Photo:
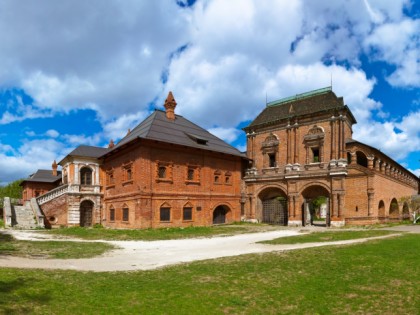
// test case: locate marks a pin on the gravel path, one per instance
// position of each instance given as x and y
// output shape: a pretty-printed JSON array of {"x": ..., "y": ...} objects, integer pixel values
[{"x": 145, "y": 255}]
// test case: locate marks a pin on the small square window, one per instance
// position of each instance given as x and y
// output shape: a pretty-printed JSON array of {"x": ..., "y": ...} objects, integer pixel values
[
  {"x": 187, "y": 214},
  {"x": 227, "y": 180},
  {"x": 162, "y": 172},
  {"x": 125, "y": 214},
  {"x": 112, "y": 214},
  {"x": 165, "y": 214},
  {"x": 216, "y": 178},
  {"x": 129, "y": 174}
]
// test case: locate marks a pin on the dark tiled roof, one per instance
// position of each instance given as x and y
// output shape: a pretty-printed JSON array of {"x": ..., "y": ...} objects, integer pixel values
[
  {"x": 44, "y": 176},
  {"x": 88, "y": 151},
  {"x": 301, "y": 104},
  {"x": 179, "y": 131}
]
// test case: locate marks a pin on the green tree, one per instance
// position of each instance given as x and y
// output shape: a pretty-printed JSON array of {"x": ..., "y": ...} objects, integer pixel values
[{"x": 12, "y": 190}]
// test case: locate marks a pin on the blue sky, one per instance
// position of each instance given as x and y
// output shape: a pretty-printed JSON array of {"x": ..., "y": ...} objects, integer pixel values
[{"x": 82, "y": 72}]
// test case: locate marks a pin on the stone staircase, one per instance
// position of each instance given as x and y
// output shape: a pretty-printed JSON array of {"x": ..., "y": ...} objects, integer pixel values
[
  {"x": 28, "y": 216},
  {"x": 24, "y": 217}
]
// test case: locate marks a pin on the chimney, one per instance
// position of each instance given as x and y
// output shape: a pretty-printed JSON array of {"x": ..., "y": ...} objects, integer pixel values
[
  {"x": 170, "y": 105},
  {"x": 54, "y": 168},
  {"x": 111, "y": 144}
]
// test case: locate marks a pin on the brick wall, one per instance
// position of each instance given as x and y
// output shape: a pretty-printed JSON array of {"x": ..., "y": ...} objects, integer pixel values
[{"x": 145, "y": 193}]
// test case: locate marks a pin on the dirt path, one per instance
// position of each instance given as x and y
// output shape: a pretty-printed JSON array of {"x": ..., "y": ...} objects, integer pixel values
[{"x": 142, "y": 255}]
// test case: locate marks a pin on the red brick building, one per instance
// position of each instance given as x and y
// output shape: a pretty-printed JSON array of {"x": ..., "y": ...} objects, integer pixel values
[
  {"x": 302, "y": 149},
  {"x": 165, "y": 172},
  {"x": 304, "y": 167}
]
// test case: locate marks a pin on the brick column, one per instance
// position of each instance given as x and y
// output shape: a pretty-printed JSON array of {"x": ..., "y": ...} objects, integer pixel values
[
  {"x": 370, "y": 162},
  {"x": 377, "y": 165},
  {"x": 296, "y": 144},
  {"x": 332, "y": 138},
  {"x": 340, "y": 201},
  {"x": 370, "y": 203},
  {"x": 288, "y": 145},
  {"x": 343, "y": 145},
  {"x": 334, "y": 205},
  {"x": 353, "y": 158}
]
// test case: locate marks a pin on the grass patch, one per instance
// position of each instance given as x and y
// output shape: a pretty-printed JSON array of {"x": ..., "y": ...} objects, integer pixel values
[
  {"x": 51, "y": 249},
  {"x": 98, "y": 233},
  {"x": 329, "y": 236},
  {"x": 377, "y": 277}
]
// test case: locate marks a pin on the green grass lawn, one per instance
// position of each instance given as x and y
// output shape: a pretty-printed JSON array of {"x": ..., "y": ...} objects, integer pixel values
[
  {"x": 98, "y": 233},
  {"x": 377, "y": 277},
  {"x": 50, "y": 249},
  {"x": 329, "y": 236}
]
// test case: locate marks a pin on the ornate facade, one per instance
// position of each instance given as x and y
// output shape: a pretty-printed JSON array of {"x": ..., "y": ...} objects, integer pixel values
[{"x": 302, "y": 149}]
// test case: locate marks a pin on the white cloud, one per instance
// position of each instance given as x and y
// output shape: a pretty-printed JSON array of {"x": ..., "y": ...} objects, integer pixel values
[
  {"x": 112, "y": 58},
  {"x": 398, "y": 44},
  {"x": 395, "y": 138},
  {"x": 30, "y": 156},
  {"x": 52, "y": 133},
  {"x": 78, "y": 54},
  {"x": 226, "y": 134},
  {"x": 118, "y": 128}
]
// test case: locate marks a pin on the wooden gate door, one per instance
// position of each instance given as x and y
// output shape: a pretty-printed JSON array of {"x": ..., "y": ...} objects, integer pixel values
[
  {"x": 219, "y": 215},
  {"x": 275, "y": 211},
  {"x": 86, "y": 213}
]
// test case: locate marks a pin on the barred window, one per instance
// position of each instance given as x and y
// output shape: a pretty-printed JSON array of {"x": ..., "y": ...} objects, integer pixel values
[
  {"x": 165, "y": 214},
  {"x": 112, "y": 214},
  {"x": 190, "y": 175},
  {"x": 162, "y": 172},
  {"x": 187, "y": 214},
  {"x": 125, "y": 214}
]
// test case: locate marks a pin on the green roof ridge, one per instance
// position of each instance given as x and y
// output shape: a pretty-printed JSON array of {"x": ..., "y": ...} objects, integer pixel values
[{"x": 299, "y": 96}]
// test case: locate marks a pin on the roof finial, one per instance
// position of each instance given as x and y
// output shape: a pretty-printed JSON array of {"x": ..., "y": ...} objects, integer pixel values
[
  {"x": 170, "y": 105},
  {"x": 128, "y": 131},
  {"x": 54, "y": 168},
  {"x": 111, "y": 144}
]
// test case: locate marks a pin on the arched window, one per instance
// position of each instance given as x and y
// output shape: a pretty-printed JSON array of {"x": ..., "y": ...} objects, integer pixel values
[{"x": 86, "y": 176}]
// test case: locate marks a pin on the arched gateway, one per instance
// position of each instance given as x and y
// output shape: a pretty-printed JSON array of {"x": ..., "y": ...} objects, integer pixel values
[
  {"x": 316, "y": 206},
  {"x": 273, "y": 206}
]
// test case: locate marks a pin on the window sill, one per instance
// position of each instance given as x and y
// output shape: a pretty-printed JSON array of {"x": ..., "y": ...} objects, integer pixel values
[
  {"x": 110, "y": 186},
  {"x": 127, "y": 182},
  {"x": 192, "y": 182},
  {"x": 165, "y": 221},
  {"x": 217, "y": 183},
  {"x": 163, "y": 180},
  {"x": 186, "y": 221}
]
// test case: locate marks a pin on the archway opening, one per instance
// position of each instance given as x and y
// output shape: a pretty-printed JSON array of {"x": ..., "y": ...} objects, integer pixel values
[
  {"x": 86, "y": 211},
  {"x": 381, "y": 210},
  {"x": 393, "y": 209},
  {"x": 273, "y": 206},
  {"x": 219, "y": 214},
  {"x": 316, "y": 206},
  {"x": 405, "y": 212},
  {"x": 361, "y": 159}
]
